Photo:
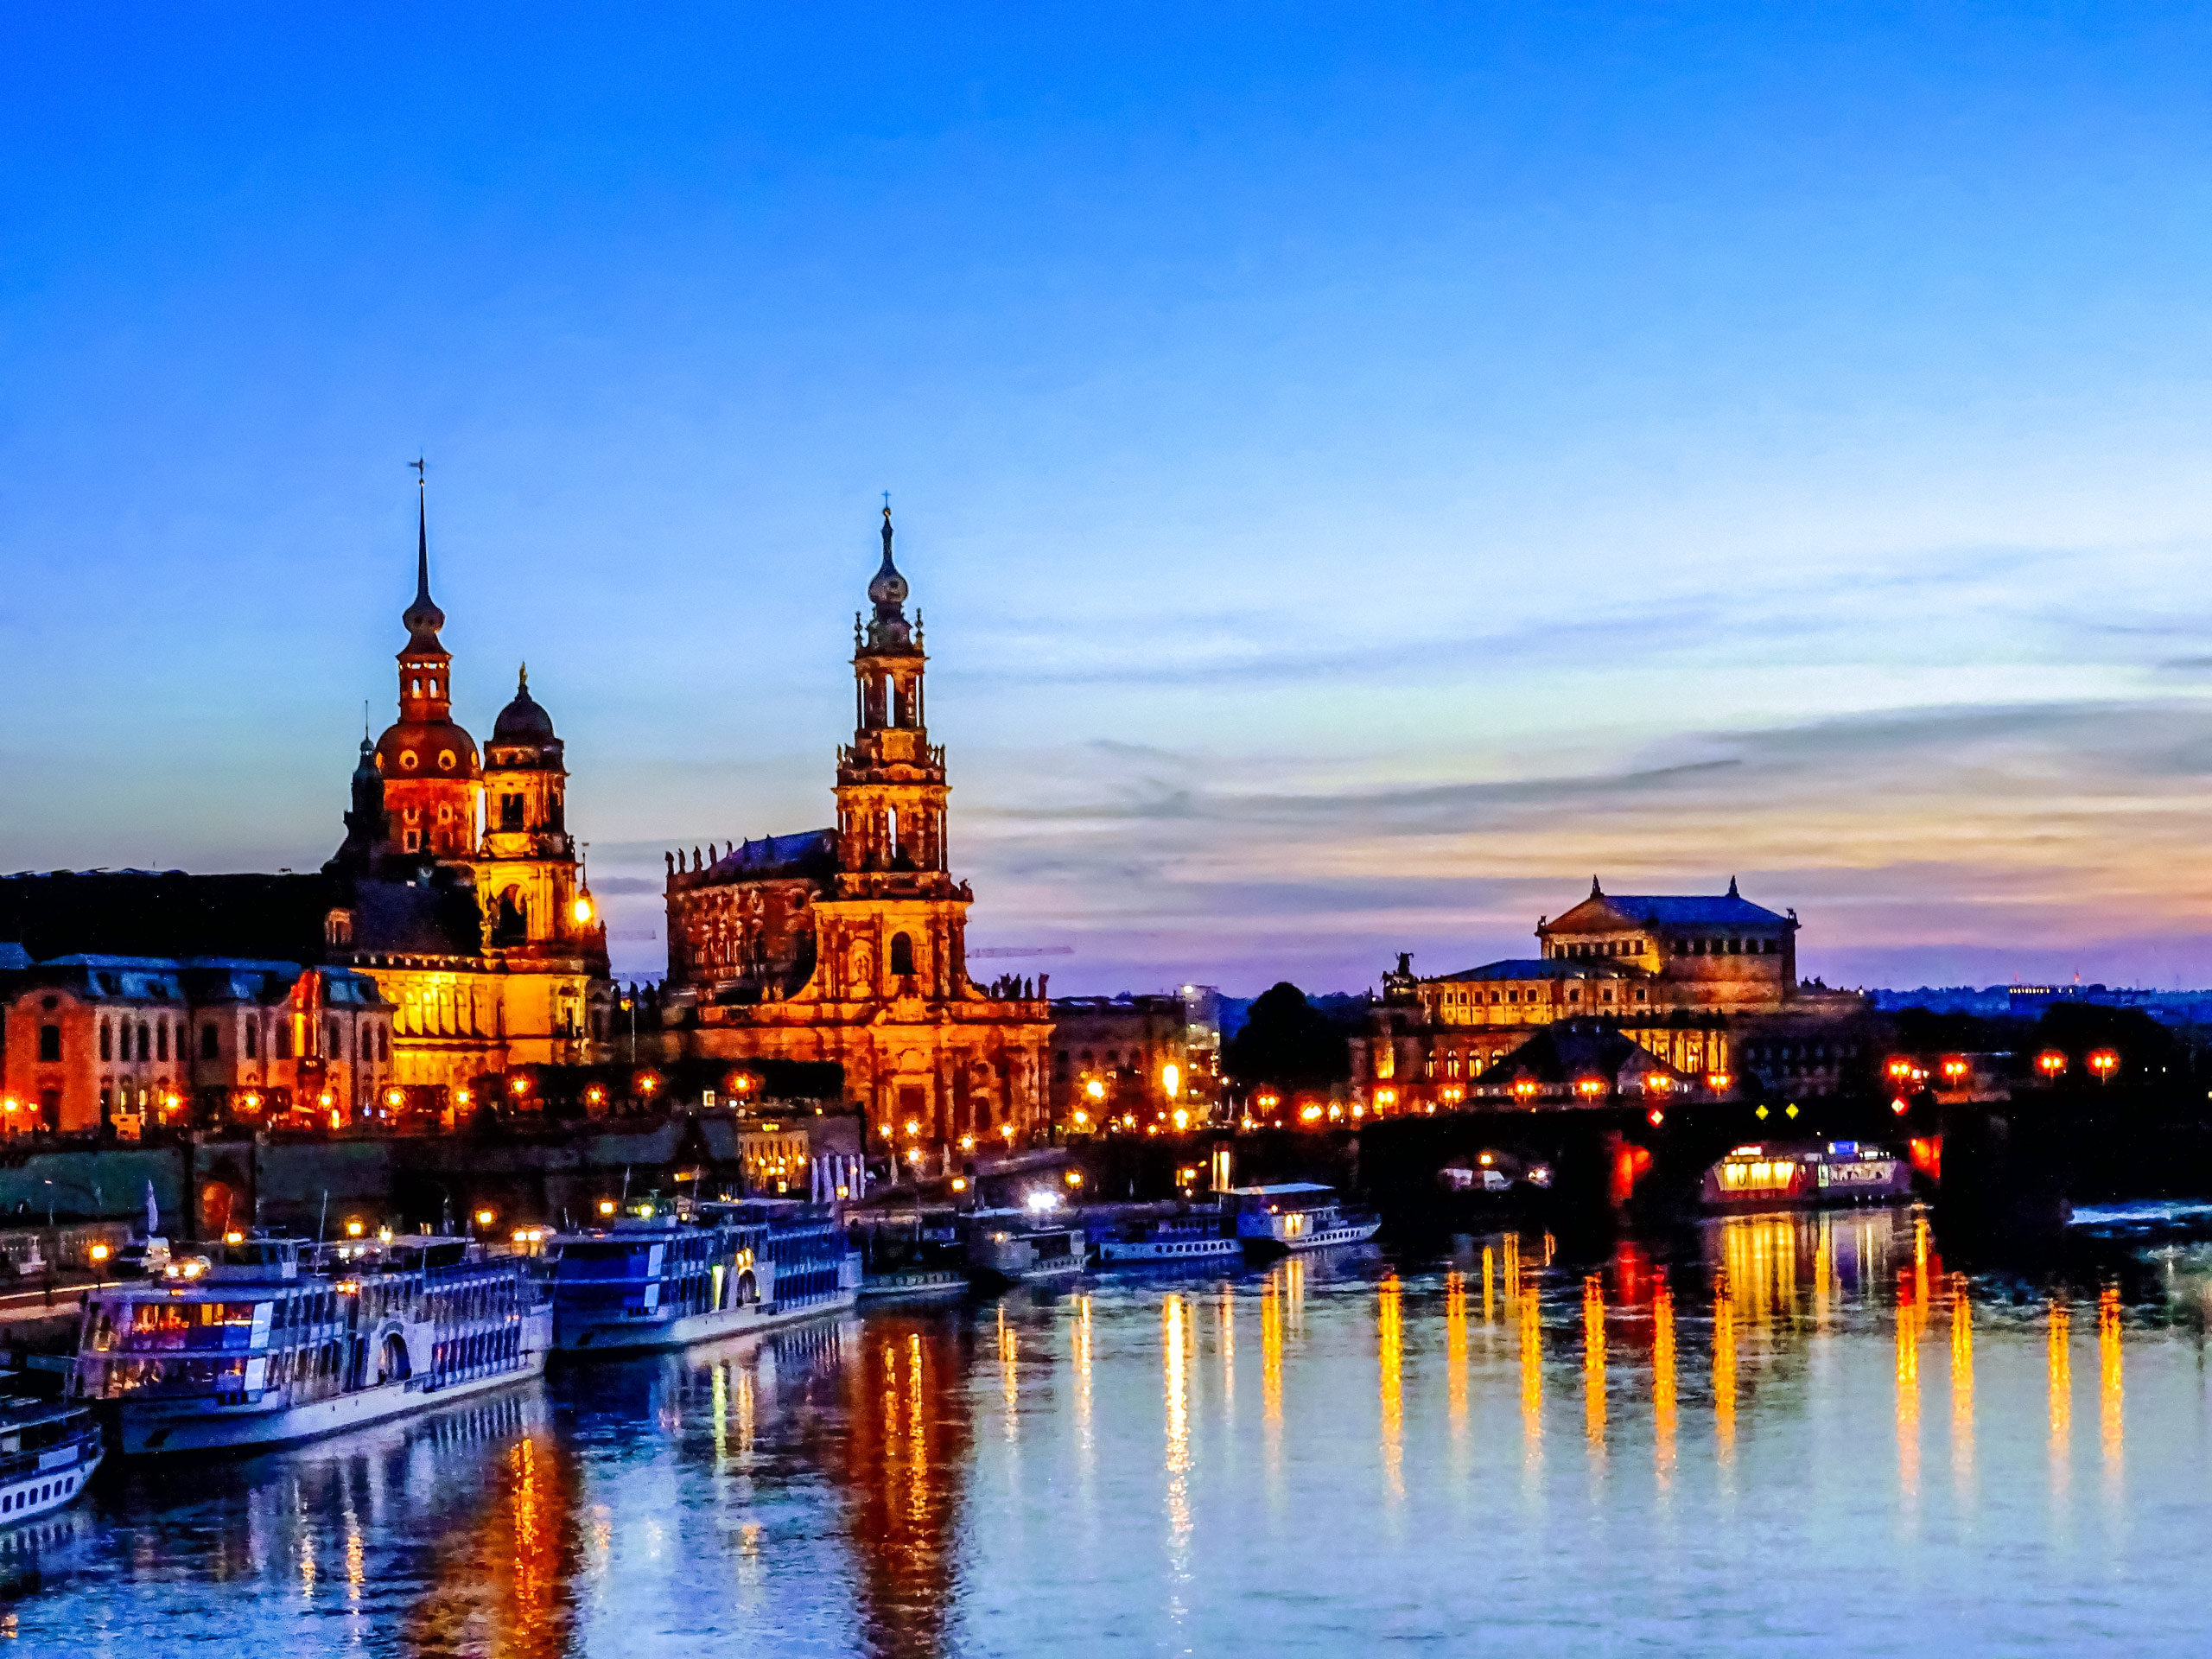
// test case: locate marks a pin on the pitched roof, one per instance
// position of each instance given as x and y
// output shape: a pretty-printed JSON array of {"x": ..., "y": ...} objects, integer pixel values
[
  {"x": 808, "y": 852},
  {"x": 1560, "y": 1054},
  {"x": 1608, "y": 911}
]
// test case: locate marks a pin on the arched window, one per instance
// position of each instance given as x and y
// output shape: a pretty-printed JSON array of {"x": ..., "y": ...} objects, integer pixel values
[
  {"x": 107, "y": 1045},
  {"x": 252, "y": 1040},
  {"x": 902, "y": 954}
]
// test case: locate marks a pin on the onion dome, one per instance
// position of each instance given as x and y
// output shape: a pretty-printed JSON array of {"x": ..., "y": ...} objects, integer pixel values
[
  {"x": 523, "y": 721},
  {"x": 888, "y": 591}
]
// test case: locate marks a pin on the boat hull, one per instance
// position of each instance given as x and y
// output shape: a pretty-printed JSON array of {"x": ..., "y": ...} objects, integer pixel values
[
  {"x": 32, "y": 1495},
  {"x": 937, "y": 1281},
  {"x": 1167, "y": 1252},
  {"x": 1002, "y": 1279},
  {"x": 579, "y": 1336},
  {"x": 150, "y": 1430},
  {"x": 1327, "y": 1238}
]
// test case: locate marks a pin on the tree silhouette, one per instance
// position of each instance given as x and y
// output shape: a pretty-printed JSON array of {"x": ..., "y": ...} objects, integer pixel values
[{"x": 1287, "y": 1042}]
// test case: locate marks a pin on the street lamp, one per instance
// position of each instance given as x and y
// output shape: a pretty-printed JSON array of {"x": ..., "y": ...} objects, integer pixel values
[{"x": 2104, "y": 1062}]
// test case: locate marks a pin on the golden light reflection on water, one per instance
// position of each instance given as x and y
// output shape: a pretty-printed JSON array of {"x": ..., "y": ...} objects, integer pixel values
[
  {"x": 503, "y": 1582},
  {"x": 1489, "y": 1300},
  {"x": 1528, "y": 1336},
  {"x": 2111, "y": 1403},
  {"x": 1962, "y": 1382},
  {"x": 1175, "y": 1379},
  {"x": 1085, "y": 1443},
  {"x": 1663, "y": 1380},
  {"x": 2058, "y": 1360},
  {"x": 1009, "y": 1376},
  {"x": 1594, "y": 1364},
  {"x": 1271, "y": 1363},
  {"x": 1824, "y": 1274},
  {"x": 904, "y": 1452},
  {"x": 1225, "y": 1340},
  {"x": 1724, "y": 1373},
  {"x": 1455, "y": 1348},
  {"x": 1908, "y": 1392},
  {"x": 1390, "y": 1338}
]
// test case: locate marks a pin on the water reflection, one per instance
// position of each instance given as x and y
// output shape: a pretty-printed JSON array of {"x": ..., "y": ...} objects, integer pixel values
[{"x": 1074, "y": 1471}]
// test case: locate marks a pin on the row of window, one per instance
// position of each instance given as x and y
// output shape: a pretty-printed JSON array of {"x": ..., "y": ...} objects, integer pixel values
[
  {"x": 1717, "y": 945},
  {"x": 1533, "y": 994}
]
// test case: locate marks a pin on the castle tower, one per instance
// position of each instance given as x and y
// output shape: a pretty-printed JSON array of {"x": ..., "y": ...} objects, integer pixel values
[
  {"x": 527, "y": 871},
  {"x": 429, "y": 763},
  {"x": 540, "y": 924}
]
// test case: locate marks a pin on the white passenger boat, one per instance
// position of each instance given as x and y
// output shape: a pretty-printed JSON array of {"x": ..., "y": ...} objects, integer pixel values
[
  {"x": 1294, "y": 1215},
  {"x": 697, "y": 1273},
  {"x": 49, "y": 1450},
  {"x": 1172, "y": 1241},
  {"x": 1006, "y": 1247},
  {"x": 262, "y": 1342}
]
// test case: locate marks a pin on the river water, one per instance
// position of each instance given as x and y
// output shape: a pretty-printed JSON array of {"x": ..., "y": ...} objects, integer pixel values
[{"x": 1793, "y": 1433}]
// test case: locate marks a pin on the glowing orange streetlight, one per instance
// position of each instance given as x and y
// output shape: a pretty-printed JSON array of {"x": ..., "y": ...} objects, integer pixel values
[
  {"x": 1589, "y": 1088},
  {"x": 1954, "y": 1070},
  {"x": 2052, "y": 1064},
  {"x": 2104, "y": 1062}
]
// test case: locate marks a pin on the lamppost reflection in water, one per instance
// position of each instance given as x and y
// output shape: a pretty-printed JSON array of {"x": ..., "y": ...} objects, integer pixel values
[
  {"x": 2059, "y": 1362},
  {"x": 1390, "y": 1342}
]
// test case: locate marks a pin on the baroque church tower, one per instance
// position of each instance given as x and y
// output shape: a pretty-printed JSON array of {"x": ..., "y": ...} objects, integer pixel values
[{"x": 849, "y": 944}]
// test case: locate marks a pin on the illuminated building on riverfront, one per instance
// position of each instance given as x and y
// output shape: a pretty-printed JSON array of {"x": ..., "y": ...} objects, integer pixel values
[
  {"x": 1704, "y": 990},
  {"x": 849, "y": 943}
]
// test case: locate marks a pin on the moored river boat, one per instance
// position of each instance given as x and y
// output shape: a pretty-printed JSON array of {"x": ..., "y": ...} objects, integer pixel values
[
  {"x": 696, "y": 1273},
  {"x": 1295, "y": 1216},
  {"x": 263, "y": 1341},
  {"x": 1813, "y": 1172}
]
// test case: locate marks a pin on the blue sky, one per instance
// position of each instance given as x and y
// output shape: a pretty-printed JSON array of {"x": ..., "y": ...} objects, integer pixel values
[{"x": 1365, "y": 469}]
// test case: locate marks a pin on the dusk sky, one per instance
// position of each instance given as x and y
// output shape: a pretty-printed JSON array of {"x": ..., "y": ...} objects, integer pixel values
[{"x": 1364, "y": 469}]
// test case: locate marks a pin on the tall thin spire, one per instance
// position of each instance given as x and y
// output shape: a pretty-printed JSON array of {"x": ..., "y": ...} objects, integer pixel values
[
  {"x": 422, "y": 532},
  {"x": 423, "y": 617}
]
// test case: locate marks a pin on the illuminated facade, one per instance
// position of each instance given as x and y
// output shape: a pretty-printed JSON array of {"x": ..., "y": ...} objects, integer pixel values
[
  {"x": 1690, "y": 979},
  {"x": 118, "y": 1043},
  {"x": 477, "y": 926},
  {"x": 848, "y": 944}
]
